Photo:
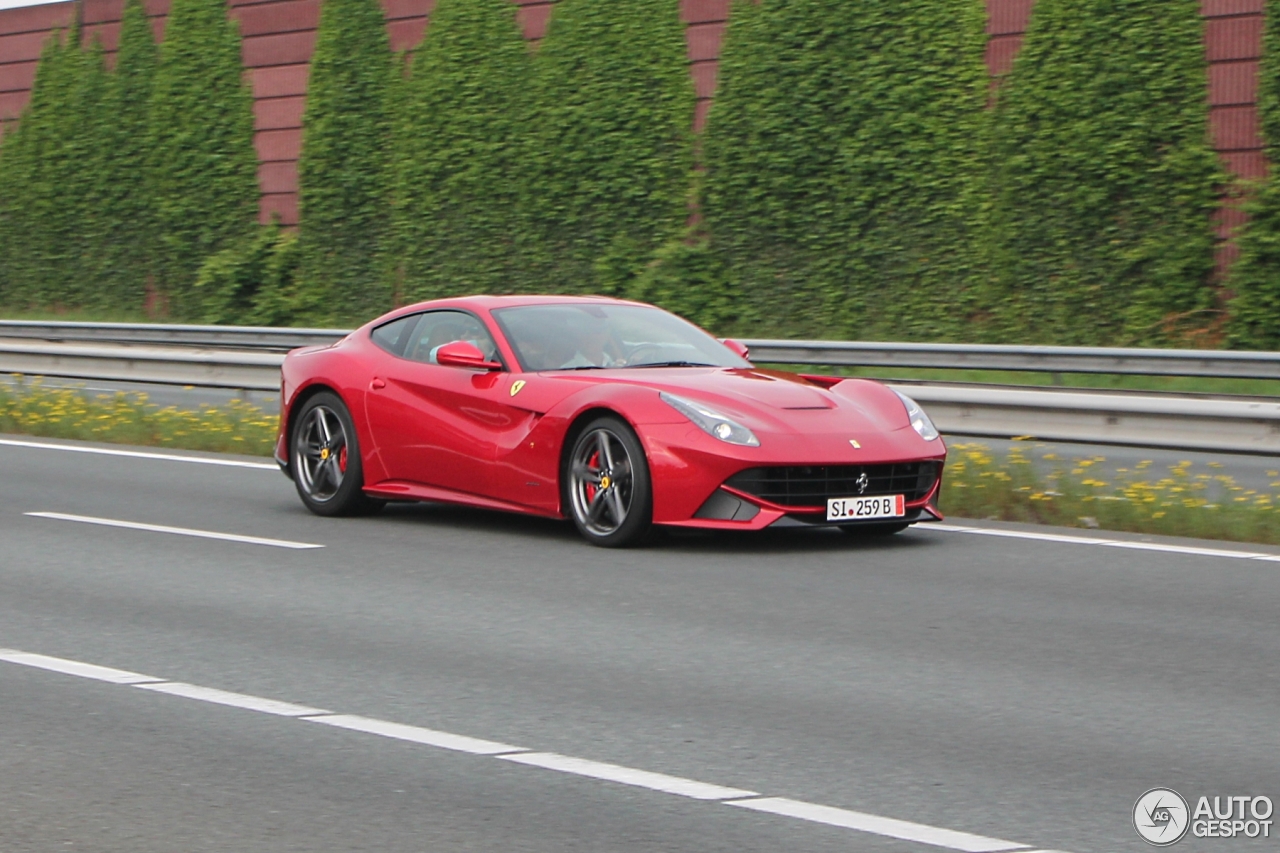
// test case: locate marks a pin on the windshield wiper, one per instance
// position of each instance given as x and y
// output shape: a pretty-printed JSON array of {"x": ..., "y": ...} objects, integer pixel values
[{"x": 672, "y": 364}]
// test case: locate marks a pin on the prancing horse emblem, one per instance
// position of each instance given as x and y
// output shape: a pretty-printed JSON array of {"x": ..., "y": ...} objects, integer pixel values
[
  {"x": 516, "y": 386},
  {"x": 855, "y": 444},
  {"x": 862, "y": 483}
]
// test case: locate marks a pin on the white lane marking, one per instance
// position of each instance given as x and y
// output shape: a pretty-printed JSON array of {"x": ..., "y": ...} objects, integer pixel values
[
  {"x": 1107, "y": 543},
  {"x": 628, "y": 776},
  {"x": 72, "y": 667},
  {"x": 235, "y": 700},
  {"x": 179, "y": 531},
  {"x": 876, "y": 825},
  {"x": 415, "y": 734},
  {"x": 857, "y": 821},
  {"x": 137, "y": 454}
]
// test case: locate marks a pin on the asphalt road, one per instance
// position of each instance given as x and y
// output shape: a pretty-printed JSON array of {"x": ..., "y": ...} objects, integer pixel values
[{"x": 1017, "y": 689}]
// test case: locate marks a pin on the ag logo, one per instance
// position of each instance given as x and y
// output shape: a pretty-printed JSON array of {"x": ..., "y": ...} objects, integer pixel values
[{"x": 1161, "y": 817}]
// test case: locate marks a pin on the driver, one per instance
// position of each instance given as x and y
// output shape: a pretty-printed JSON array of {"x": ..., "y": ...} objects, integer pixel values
[{"x": 559, "y": 346}]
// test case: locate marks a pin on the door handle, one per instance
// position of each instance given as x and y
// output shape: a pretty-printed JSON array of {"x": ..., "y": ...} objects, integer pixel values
[{"x": 377, "y": 384}]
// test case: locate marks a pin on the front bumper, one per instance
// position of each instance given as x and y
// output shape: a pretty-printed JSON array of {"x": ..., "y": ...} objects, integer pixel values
[{"x": 691, "y": 471}]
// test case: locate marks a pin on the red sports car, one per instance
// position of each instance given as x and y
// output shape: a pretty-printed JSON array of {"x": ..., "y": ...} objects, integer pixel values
[{"x": 615, "y": 414}]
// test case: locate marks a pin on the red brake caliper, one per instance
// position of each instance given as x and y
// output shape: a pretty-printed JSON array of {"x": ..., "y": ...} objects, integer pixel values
[
  {"x": 342, "y": 459},
  {"x": 593, "y": 462}
]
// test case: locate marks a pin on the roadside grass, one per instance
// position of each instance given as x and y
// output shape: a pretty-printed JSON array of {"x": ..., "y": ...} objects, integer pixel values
[
  {"x": 31, "y": 408},
  {"x": 1181, "y": 501},
  {"x": 1048, "y": 489}
]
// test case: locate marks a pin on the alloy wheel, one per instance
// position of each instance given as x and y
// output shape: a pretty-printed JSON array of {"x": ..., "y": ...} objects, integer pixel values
[
  {"x": 601, "y": 482},
  {"x": 320, "y": 454}
]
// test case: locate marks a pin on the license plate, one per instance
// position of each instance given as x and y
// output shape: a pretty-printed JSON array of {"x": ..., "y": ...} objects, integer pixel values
[{"x": 856, "y": 509}]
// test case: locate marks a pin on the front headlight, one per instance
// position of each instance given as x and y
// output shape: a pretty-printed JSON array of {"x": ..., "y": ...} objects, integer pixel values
[
  {"x": 919, "y": 420},
  {"x": 712, "y": 422}
]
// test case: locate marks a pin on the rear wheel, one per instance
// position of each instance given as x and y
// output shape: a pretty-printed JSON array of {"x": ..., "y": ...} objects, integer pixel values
[
  {"x": 607, "y": 489},
  {"x": 326, "y": 459}
]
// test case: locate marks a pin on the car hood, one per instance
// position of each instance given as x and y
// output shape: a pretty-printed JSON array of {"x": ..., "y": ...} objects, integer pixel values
[{"x": 763, "y": 399}]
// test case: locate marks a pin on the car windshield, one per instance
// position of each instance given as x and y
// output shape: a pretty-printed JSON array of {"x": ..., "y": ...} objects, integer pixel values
[{"x": 588, "y": 336}]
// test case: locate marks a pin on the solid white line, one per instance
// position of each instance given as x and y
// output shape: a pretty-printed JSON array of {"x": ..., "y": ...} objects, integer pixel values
[
  {"x": 628, "y": 776},
  {"x": 72, "y": 667},
  {"x": 876, "y": 825},
  {"x": 235, "y": 700},
  {"x": 843, "y": 818},
  {"x": 414, "y": 734},
  {"x": 1188, "y": 550},
  {"x": 179, "y": 531},
  {"x": 137, "y": 454}
]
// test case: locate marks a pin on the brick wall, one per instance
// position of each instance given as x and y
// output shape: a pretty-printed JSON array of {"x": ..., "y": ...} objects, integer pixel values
[{"x": 279, "y": 36}]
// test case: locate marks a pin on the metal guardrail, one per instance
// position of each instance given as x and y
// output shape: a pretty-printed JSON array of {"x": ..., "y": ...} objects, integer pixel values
[
  {"x": 1131, "y": 361},
  {"x": 249, "y": 359},
  {"x": 1140, "y": 362},
  {"x": 260, "y": 338}
]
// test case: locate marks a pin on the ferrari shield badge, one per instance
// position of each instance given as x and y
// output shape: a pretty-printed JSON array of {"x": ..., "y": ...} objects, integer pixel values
[
  {"x": 516, "y": 386},
  {"x": 855, "y": 444}
]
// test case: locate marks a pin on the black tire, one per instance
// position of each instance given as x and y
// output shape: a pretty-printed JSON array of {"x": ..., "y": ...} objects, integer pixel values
[
  {"x": 605, "y": 485},
  {"x": 325, "y": 459},
  {"x": 874, "y": 530}
]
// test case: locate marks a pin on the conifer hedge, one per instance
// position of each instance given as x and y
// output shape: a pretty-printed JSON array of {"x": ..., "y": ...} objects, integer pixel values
[
  {"x": 461, "y": 143},
  {"x": 1255, "y": 276},
  {"x": 23, "y": 177},
  {"x": 202, "y": 164},
  {"x": 844, "y": 166},
  {"x": 612, "y": 148},
  {"x": 343, "y": 168},
  {"x": 127, "y": 239},
  {"x": 50, "y": 185},
  {"x": 1105, "y": 178}
]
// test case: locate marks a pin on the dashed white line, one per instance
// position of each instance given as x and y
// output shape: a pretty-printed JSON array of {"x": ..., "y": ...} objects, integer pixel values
[
  {"x": 76, "y": 668},
  {"x": 138, "y": 454},
  {"x": 178, "y": 531},
  {"x": 739, "y": 798},
  {"x": 234, "y": 700},
  {"x": 877, "y": 825},
  {"x": 415, "y": 734},
  {"x": 1189, "y": 550},
  {"x": 628, "y": 776}
]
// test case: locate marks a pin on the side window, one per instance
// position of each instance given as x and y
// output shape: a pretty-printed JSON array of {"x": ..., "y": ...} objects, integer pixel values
[
  {"x": 438, "y": 328},
  {"x": 394, "y": 336}
]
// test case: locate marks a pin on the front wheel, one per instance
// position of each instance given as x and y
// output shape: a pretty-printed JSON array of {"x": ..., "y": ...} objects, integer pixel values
[
  {"x": 326, "y": 459},
  {"x": 607, "y": 489}
]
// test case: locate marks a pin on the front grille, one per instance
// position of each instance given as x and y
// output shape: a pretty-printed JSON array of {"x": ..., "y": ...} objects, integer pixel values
[{"x": 812, "y": 485}]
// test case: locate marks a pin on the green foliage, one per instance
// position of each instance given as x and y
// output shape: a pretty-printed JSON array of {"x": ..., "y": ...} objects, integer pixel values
[
  {"x": 686, "y": 276},
  {"x": 202, "y": 164},
  {"x": 256, "y": 283},
  {"x": 50, "y": 184},
  {"x": 1105, "y": 179},
  {"x": 343, "y": 168},
  {"x": 844, "y": 170},
  {"x": 612, "y": 150},
  {"x": 125, "y": 238},
  {"x": 1255, "y": 276},
  {"x": 459, "y": 139}
]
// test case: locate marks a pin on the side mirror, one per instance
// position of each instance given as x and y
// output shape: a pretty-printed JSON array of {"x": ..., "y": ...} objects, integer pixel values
[
  {"x": 464, "y": 354},
  {"x": 739, "y": 348}
]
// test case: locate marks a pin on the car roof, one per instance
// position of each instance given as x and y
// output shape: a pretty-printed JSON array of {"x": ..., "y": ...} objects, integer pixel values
[{"x": 490, "y": 303}]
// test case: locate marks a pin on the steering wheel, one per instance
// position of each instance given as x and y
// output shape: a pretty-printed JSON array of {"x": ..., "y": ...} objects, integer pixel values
[{"x": 634, "y": 358}]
